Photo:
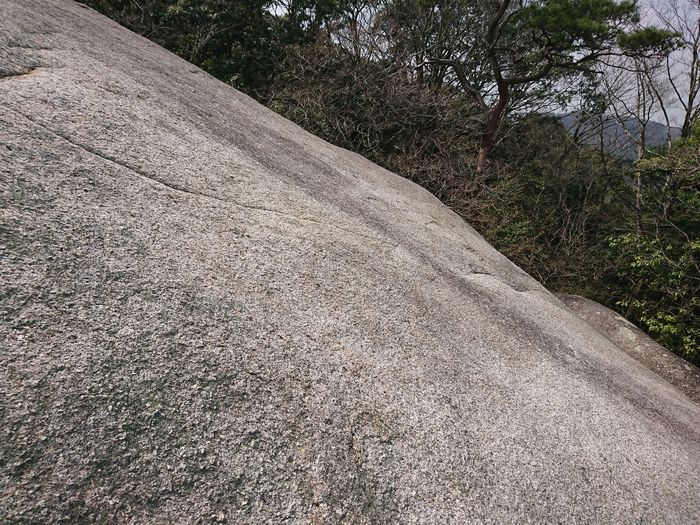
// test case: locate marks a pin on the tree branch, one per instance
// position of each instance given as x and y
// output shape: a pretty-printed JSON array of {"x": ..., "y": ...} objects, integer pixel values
[{"x": 461, "y": 77}]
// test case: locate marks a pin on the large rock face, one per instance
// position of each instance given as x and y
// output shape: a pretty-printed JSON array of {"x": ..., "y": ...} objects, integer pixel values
[
  {"x": 209, "y": 315},
  {"x": 630, "y": 339}
]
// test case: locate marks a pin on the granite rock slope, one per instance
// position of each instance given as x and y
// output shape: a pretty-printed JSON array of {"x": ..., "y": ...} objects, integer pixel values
[
  {"x": 677, "y": 371},
  {"x": 209, "y": 315}
]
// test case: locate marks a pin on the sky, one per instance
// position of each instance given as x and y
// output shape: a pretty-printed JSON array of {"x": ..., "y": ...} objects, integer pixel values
[{"x": 683, "y": 15}]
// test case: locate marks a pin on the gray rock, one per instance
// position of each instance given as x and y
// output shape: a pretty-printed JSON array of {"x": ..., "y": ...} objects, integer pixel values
[
  {"x": 679, "y": 372},
  {"x": 210, "y": 315}
]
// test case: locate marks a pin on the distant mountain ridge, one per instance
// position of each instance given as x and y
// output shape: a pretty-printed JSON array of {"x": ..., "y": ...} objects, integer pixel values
[{"x": 620, "y": 139}]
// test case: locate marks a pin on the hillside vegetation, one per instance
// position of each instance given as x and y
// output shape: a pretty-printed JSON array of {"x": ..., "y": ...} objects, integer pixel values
[{"x": 454, "y": 95}]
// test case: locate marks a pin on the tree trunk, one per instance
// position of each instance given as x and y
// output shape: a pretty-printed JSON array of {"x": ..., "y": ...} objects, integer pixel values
[{"x": 488, "y": 137}]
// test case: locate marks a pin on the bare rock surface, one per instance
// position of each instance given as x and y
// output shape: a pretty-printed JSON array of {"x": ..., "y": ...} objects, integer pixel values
[
  {"x": 209, "y": 315},
  {"x": 677, "y": 371}
]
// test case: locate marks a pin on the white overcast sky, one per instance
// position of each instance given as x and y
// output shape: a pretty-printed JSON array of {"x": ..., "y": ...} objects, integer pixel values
[{"x": 690, "y": 10}]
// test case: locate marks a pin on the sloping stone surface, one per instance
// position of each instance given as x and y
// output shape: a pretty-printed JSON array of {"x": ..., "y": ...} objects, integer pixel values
[
  {"x": 209, "y": 315},
  {"x": 680, "y": 373}
]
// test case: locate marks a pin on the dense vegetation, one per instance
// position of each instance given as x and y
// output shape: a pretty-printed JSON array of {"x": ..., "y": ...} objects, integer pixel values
[{"x": 459, "y": 96}]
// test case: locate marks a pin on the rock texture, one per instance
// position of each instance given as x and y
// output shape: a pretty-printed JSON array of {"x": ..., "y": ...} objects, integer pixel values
[
  {"x": 629, "y": 338},
  {"x": 211, "y": 316}
]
